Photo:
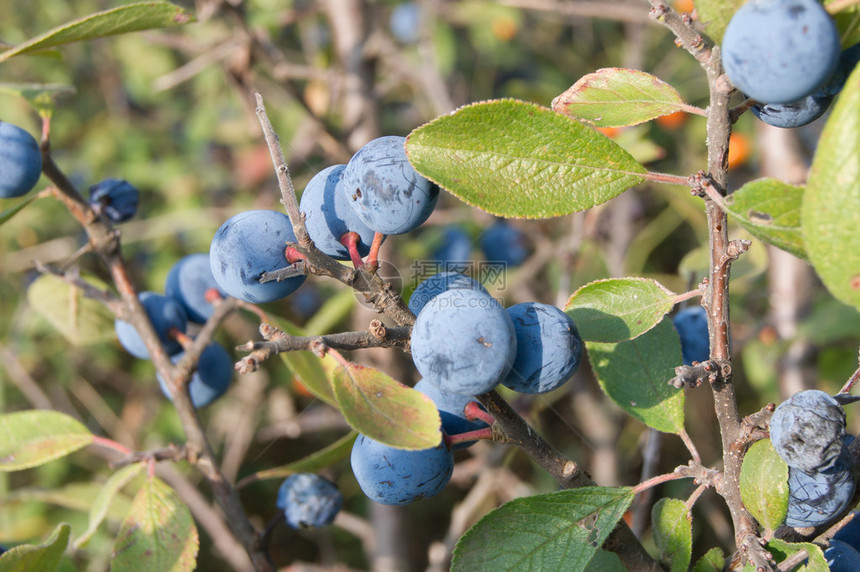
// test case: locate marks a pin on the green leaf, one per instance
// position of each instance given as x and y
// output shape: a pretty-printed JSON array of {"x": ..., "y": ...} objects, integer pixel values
[
  {"x": 9, "y": 213},
  {"x": 107, "y": 494},
  {"x": 121, "y": 20},
  {"x": 314, "y": 462},
  {"x": 74, "y": 496},
  {"x": 541, "y": 531},
  {"x": 81, "y": 320},
  {"x": 32, "y": 438},
  {"x": 764, "y": 484},
  {"x": 383, "y": 409},
  {"x": 673, "y": 533},
  {"x": 635, "y": 375},
  {"x": 617, "y": 97},
  {"x": 847, "y": 23},
  {"x": 520, "y": 160},
  {"x": 618, "y": 309},
  {"x": 43, "y": 557},
  {"x": 831, "y": 204},
  {"x": 770, "y": 211},
  {"x": 604, "y": 561},
  {"x": 712, "y": 561},
  {"x": 40, "y": 95},
  {"x": 310, "y": 369},
  {"x": 782, "y": 550},
  {"x": 157, "y": 534},
  {"x": 334, "y": 311},
  {"x": 716, "y": 14}
]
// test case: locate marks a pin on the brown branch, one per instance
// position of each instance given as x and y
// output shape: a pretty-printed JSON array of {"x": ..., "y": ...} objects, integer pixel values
[
  {"x": 277, "y": 341},
  {"x": 105, "y": 242}
]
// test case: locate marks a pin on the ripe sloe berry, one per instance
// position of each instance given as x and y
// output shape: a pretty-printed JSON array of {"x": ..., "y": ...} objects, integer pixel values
[
  {"x": 817, "y": 497},
  {"x": 842, "y": 557},
  {"x": 807, "y": 430},
  {"x": 188, "y": 282},
  {"x": 385, "y": 190},
  {"x": 464, "y": 341},
  {"x": 210, "y": 381},
  {"x": 692, "y": 326},
  {"x": 504, "y": 243},
  {"x": 116, "y": 199},
  {"x": 248, "y": 245},
  {"x": 548, "y": 348},
  {"x": 779, "y": 51},
  {"x": 309, "y": 501},
  {"x": 396, "y": 476},
  {"x": 165, "y": 314},
  {"x": 438, "y": 283},
  {"x": 20, "y": 161},
  {"x": 328, "y": 215}
]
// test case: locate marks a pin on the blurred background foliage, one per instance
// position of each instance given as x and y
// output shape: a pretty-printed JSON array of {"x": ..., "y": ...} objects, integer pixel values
[{"x": 172, "y": 113}]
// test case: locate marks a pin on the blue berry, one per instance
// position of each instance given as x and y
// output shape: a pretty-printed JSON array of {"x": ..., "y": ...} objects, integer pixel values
[
  {"x": 808, "y": 109},
  {"x": 385, "y": 190},
  {"x": 455, "y": 249},
  {"x": 438, "y": 283},
  {"x": 818, "y": 497},
  {"x": 808, "y": 429},
  {"x": 779, "y": 51},
  {"x": 405, "y": 21},
  {"x": 116, "y": 199},
  {"x": 396, "y": 476},
  {"x": 309, "y": 501},
  {"x": 212, "y": 378},
  {"x": 165, "y": 314},
  {"x": 505, "y": 243},
  {"x": 464, "y": 341},
  {"x": 328, "y": 215},
  {"x": 549, "y": 348},
  {"x": 842, "y": 557},
  {"x": 20, "y": 161},
  {"x": 248, "y": 245},
  {"x": 692, "y": 326},
  {"x": 188, "y": 281},
  {"x": 451, "y": 408}
]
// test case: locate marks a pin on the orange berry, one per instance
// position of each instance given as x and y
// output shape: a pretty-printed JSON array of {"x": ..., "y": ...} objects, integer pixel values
[
  {"x": 672, "y": 121},
  {"x": 739, "y": 149},
  {"x": 684, "y": 6}
]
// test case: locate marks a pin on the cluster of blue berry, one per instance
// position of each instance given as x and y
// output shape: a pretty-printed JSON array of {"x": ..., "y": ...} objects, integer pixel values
[
  {"x": 189, "y": 293},
  {"x": 785, "y": 54},
  {"x": 808, "y": 432}
]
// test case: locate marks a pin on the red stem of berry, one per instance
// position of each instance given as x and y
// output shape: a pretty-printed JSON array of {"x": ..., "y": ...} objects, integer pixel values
[
  {"x": 184, "y": 339},
  {"x": 485, "y": 433},
  {"x": 372, "y": 260},
  {"x": 292, "y": 255},
  {"x": 474, "y": 412},
  {"x": 212, "y": 295},
  {"x": 350, "y": 241}
]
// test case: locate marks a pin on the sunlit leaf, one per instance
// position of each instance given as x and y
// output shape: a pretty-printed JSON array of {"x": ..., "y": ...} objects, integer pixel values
[
  {"x": 618, "y": 309},
  {"x": 770, "y": 210},
  {"x": 121, "y": 20},
  {"x": 520, "y": 160},
  {"x": 385, "y": 410},
  {"x": 43, "y": 557},
  {"x": 831, "y": 204},
  {"x": 314, "y": 462},
  {"x": 764, "y": 484},
  {"x": 107, "y": 494},
  {"x": 32, "y": 438},
  {"x": 157, "y": 534},
  {"x": 81, "y": 320},
  {"x": 617, "y": 97}
]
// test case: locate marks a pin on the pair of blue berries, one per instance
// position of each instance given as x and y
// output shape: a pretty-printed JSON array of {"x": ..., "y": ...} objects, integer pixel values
[
  {"x": 377, "y": 191},
  {"x": 785, "y": 54},
  {"x": 187, "y": 298}
]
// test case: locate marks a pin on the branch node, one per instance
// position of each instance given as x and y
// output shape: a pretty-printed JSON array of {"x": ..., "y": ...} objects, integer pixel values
[{"x": 377, "y": 329}]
